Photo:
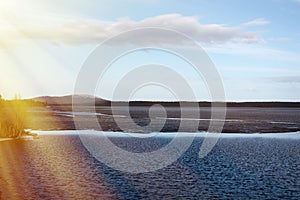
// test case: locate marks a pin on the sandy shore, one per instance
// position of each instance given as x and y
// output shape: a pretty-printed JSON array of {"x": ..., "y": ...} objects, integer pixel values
[
  {"x": 30, "y": 136},
  {"x": 5, "y": 139}
]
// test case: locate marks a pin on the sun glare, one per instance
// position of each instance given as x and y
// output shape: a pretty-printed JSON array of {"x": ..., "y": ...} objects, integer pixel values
[{"x": 26, "y": 67}]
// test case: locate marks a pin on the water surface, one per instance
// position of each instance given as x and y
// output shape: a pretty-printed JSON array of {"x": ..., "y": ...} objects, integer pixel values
[{"x": 57, "y": 166}]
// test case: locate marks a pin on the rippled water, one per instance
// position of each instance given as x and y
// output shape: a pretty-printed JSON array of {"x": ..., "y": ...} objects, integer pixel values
[{"x": 239, "y": 167}]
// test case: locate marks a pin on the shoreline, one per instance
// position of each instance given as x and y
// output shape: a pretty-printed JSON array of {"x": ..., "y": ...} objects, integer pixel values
[
  {"x": 295, "y": 135},
  {"x": 7, "y": 139},
  {"x": 27, "y": 136},
  {"x": 34, "y": 134}
]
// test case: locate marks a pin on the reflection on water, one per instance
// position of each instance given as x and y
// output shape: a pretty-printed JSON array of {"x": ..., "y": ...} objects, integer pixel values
[{"x": 59, "y": 167}]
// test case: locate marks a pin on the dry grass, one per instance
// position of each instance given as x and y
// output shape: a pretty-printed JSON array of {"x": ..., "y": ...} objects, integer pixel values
[{"x": 13, "y": 118}]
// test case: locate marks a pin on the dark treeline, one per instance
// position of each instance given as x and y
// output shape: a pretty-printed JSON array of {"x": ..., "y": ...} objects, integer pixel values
[
  {"x": 204, "y": 104},
  {"x": 82, "y": 100}
]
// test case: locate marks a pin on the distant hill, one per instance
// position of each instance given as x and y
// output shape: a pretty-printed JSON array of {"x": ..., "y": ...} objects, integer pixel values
[
  {"x": 67, "y": 100},
  {"x": 88, "y": 99}
]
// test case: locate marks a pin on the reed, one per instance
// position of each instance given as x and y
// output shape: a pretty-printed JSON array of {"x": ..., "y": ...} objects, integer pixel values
[{"x": 13, "y": 118}]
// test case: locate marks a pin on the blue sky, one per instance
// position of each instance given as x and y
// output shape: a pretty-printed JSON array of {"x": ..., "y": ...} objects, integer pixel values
[{"x": 255, "y": 45}]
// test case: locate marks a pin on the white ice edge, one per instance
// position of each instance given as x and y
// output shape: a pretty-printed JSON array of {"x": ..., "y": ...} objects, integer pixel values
[
  {"x": 288, "y": 135},
  {"x": 72, "y": 114}
]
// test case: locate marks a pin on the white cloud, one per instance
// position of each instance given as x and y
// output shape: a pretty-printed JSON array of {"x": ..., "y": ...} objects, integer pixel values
[
  {"x": 280, "y": 39},
  {"x": 95, "y": 31},
  {"x": 258, "y": 51},
  {"x": 257, "y": 22},
  {"x": 286, "y": 79},
  {"x": 259, "y": 69}
]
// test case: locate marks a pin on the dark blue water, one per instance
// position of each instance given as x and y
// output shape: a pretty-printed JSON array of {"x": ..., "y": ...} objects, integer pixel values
[{"x": 59, "y": 167}]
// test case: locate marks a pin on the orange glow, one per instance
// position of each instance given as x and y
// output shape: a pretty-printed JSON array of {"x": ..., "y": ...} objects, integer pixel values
[{"x": 13, "y": 118}]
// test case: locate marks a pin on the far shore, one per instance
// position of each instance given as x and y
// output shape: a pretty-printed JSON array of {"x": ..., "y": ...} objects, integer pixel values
[
  {"x": 238, "y": 119},
  {"x": 246, "y": 117}
]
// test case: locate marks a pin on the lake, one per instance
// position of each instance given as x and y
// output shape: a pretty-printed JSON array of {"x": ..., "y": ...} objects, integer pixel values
[{"x": 240, "y": 166}]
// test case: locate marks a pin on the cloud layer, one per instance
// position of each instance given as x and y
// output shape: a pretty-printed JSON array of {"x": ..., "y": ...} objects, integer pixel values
[
  {"x": 287, "y": 79},
  {"x": 95, "y": 31},
  {"x": 257, "y": 22}
]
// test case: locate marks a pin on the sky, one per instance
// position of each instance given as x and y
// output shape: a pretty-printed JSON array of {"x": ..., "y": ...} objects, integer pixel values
[{"x": 254, "y": 45}]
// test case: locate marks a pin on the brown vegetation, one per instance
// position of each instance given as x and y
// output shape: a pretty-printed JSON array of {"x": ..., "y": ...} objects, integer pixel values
[{"x": 14, "y": 117}]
